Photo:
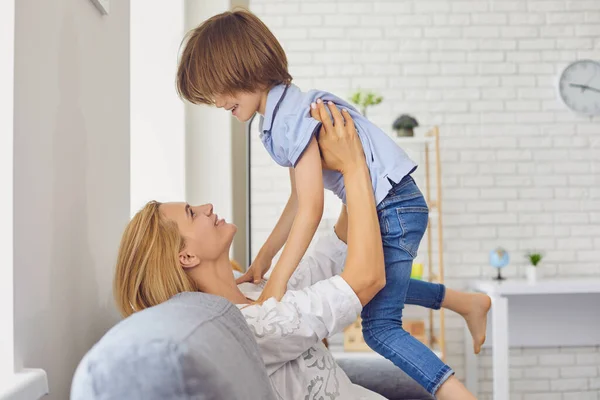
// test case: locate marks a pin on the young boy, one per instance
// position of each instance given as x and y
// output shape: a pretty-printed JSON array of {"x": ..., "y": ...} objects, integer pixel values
[{"x": 233, "y": 61}]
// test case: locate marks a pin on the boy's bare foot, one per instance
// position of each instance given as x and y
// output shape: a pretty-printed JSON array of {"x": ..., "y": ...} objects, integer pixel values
[{"x": 476, "y": 318}]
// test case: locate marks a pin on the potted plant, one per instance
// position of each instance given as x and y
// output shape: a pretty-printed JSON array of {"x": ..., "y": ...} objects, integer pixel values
[
  {"x": 531, "y": 272},
  {"x": 404, "y": 125},
  {"x": 364, "y": 100}
]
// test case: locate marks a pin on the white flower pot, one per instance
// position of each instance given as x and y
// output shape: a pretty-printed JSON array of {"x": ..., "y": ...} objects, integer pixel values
[{"x": 531, "y": 273}]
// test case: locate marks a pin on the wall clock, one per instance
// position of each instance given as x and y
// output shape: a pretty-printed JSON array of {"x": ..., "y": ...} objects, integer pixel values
[{"x": 579, "y": 87}]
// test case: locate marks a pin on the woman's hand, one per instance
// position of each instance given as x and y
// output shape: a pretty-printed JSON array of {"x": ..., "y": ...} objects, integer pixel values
[{"x": 339, "y": 143}]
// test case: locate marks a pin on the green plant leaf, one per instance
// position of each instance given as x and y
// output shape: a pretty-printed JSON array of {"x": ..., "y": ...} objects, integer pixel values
[
  {"x": 535, "y": 258},
  {"x": 356, "y": 97},
  {"x": 365, "y": 99}
]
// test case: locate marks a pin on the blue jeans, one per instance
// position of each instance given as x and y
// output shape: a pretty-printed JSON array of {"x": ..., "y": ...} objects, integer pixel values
[{"x": 403, "y": 218}]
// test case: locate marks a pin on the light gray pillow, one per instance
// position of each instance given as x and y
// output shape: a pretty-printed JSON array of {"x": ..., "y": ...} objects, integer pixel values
[{"x": 194, "y": 346}]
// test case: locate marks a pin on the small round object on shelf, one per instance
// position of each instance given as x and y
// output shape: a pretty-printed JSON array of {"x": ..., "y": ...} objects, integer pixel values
[{"x": 499, "y": 259}]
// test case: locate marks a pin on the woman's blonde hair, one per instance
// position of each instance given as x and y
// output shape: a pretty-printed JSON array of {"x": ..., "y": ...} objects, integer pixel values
[{"x": 148, "y": 271}]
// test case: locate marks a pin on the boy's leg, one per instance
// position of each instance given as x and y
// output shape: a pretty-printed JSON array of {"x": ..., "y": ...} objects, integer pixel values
[
  {"x": 383, "y": 332},
  {"x": 425, "y": 294},
  {"x": 473, "y": 307},
  {"x": 403, "y": 220}
]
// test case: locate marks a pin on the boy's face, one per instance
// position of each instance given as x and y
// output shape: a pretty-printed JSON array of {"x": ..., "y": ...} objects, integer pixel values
[{"x": 242, "y": 105}]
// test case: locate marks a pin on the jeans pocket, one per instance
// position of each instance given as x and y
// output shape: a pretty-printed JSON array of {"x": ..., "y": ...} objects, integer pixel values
[{"x": 413, "y": 221}]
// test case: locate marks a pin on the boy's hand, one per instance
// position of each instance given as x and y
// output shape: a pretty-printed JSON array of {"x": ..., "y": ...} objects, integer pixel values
[
  {"x": 256, "y": 271},
  {"x": 274, "y": 288}
]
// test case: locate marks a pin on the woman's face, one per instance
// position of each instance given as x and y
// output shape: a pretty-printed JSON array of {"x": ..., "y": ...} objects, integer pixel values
[{"x": 206, "y": 236}]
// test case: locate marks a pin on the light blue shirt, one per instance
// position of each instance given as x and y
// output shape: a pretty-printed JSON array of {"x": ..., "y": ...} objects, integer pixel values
[{"x": 287, "y": 128}]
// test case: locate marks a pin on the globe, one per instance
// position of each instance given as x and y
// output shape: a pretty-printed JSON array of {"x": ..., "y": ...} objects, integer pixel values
[{"x": 499, "y": 259}]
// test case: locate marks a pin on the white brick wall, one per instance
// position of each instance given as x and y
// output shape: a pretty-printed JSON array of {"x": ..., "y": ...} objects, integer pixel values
[{"x": 519, "y": 169}]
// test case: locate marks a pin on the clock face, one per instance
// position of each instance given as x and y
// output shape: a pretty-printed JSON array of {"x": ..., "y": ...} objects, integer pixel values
[{"x": 579, "y": 87}]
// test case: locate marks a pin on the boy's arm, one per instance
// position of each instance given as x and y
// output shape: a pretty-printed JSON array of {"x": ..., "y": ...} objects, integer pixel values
[
  {"x": 276, "y": 239},
  {"x": 280, "y": 233},
  {"x": 326, "y": 259},
  {"x": 309, "y": 192}
]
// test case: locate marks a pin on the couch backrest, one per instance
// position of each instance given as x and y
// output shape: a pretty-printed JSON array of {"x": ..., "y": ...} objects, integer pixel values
[{"x": 194, "y": 346}]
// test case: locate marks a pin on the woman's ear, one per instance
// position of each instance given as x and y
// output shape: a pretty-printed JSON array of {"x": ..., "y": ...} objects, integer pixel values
[{"x": 188, "y": 260}]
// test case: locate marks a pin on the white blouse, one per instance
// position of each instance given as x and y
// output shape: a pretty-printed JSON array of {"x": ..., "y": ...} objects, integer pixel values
[{"x": 318, "y": 304}]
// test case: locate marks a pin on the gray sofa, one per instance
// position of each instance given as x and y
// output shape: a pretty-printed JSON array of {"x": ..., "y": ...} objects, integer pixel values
[{"x": 196, "y": 346}]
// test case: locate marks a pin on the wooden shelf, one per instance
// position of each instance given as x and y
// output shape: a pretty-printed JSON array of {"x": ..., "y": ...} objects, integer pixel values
[{"x": 435, "y": 265}]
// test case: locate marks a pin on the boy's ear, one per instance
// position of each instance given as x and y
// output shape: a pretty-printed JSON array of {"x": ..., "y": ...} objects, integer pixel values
[{"x": 188, "y": 260}]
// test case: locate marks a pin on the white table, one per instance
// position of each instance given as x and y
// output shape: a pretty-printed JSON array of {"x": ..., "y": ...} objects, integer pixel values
[{"x": 546, "y": 314}]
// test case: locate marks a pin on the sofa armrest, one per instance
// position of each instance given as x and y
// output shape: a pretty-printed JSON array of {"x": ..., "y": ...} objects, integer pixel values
[{"x": 383, "y": 377}]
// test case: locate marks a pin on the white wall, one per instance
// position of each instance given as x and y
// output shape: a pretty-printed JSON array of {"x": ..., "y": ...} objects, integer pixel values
[
  {"x": 208, "y": 134},
  {"x": 215, "y": 160},
  {"x": 71, "y": 178},
  {"x": 167, "y": 134},
  {"x": 7, "y": 41},
  {"x": 157, "y": 112},
  {"x": 519, "y": 169}
]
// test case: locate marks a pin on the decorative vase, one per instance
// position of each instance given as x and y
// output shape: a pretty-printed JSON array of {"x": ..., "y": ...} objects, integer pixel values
[
  {"x": 531, "y": 273},
  {"x": 405, "y": 132}
]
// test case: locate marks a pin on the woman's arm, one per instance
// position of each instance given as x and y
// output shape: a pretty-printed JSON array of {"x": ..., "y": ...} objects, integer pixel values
[
  {"x": 285, "y": 329},
  {"x": 341, "y": 149}
]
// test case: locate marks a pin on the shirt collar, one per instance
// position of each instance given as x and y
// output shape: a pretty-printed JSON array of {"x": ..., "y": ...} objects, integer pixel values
[{"x": 274, "y": 98}]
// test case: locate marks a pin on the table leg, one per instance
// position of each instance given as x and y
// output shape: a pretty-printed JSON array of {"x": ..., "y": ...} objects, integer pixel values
[
  {"x": 500, "y": 347},
  {"x": 471, "y": 365}
]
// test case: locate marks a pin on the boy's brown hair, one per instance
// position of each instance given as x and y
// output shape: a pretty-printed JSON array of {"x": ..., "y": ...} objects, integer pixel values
[{"x": 228, "y": 53}]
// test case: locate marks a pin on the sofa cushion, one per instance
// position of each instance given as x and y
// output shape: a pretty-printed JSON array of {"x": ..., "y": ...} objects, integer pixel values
[{"x": 194, "y": 346}]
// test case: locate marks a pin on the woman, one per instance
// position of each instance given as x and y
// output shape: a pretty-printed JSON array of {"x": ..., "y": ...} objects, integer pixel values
[{"x": 171, "y": 248}]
